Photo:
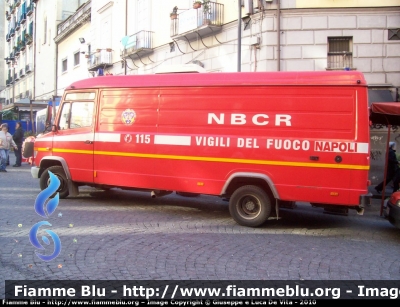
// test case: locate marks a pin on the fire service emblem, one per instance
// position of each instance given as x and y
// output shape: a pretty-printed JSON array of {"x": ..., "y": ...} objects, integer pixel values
[{"x": 128, "y": 117}]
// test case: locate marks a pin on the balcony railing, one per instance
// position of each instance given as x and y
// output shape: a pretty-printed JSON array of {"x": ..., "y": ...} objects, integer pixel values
[
  {"x": 139, "y": 42},
  {"x": 28, "y": 68},
  {"x": 8, "y": 37},
  {"x": 23, "y": 18},
  {"x": 18, "y": 25},
  {"x": 17, "y": 3},
  {"x": 81, "y": 15},
  {"x": 23, "y": 45},
  {"x": 22, "y": 72},
  {"x": 195, "y": 19},
  {"x": 12, "y": 32},
  {"x": 28, "y": 39},
  {"x": 101, "y": 59},
  {"x": 29, "y": 9},
  {"x": 8, "y": 15}
]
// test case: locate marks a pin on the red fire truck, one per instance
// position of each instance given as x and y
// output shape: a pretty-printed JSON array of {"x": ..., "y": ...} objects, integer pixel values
[{"x": 257, "y": 139}]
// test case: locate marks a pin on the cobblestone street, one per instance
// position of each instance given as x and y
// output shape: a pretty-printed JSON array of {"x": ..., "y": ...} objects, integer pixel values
[{"x": 125, "y": 235}]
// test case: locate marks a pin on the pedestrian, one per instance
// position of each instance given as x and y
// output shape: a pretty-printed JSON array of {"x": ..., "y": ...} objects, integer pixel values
[
  {"x": 8, "y": 158},
  {"x": 6, "y": 142},
  {"x": 18, "y": 138},
  {"x": 392, "y": 169}
]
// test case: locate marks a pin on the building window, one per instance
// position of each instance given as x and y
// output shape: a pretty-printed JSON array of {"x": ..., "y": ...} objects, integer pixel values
[
  {"x": 394, "y": 34},
  {"x": 76, "y": 58},
  {"x": 64, "y": 65},
  {"x": 340, "y": 52},
  {"x": 44, "y": 30}
]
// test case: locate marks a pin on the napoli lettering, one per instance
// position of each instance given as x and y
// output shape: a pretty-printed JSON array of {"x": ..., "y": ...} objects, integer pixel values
[
  {"x": 335, "y": 146},
  {"x": 242, "y": 119}
]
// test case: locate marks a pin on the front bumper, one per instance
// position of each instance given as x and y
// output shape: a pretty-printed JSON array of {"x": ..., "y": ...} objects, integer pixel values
[
  {"x": 35, "y": 172},
  {"x": 394, "y": 214}
]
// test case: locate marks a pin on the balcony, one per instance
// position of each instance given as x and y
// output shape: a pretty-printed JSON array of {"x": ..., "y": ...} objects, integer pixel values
[
  {"x": 81, "y": 16},
  {"x": 101, "y": 59},
  {"x": 16, "y": 76},
  {"x": 12, "y": 9},
  {"x": 23, "y": 18},
  {"x": 28, "y": 39},
  {"x": 8, "y": 15},
  {"x": 140, "y": 43},
  {"x": 23, "y": 45},
  {"x": 29, "y": 9},
  {"x": 12, "y": 32},
  {"x": 202, "y": 22},
  {"x": 8, "y": 37},
  {"x": 17, "y": 50},
  {"x": 17, "y": 3},
  {"x": 22, "y": 72},
  {"x": 28, "y": 68},
  {"x": 18, "y": 26}
]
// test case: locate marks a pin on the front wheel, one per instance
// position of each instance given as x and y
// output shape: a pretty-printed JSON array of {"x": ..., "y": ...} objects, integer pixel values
[
  {"x": 59, "y": 172},
  {"x": 250, "y": 206}
]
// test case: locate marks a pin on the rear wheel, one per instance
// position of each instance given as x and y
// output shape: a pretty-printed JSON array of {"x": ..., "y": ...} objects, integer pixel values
[
  {"x": 250, "y": 206},
  {"x": 59, "y": 172}
]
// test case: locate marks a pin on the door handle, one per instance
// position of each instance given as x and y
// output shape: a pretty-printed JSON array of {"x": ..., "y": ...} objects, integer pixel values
[{"x": 88, "y": 142}]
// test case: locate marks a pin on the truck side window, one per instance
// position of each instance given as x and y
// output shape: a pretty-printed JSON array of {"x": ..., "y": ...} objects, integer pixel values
[
  {"x": 81, "y": 114},
  {"x": 64, "y": 118}
]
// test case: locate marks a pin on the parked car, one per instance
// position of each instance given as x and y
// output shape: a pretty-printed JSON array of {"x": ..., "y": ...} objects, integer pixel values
[{"x": 393, "y": 209}]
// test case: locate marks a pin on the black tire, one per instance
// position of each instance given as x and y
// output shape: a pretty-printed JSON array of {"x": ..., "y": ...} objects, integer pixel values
[
  {"x": 250, "y": 206},
  {"x": 59, "y": 172}
]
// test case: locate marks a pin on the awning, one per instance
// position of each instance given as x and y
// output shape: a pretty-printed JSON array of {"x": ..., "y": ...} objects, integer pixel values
[{"x": 385, "y": 113}]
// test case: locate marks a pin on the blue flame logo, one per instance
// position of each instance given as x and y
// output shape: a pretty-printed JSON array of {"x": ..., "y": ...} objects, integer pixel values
[{"x": 45, "y": 210}]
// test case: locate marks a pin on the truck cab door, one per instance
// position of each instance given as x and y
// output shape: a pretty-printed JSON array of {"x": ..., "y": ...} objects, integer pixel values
[{"x": 74, "y": 137}]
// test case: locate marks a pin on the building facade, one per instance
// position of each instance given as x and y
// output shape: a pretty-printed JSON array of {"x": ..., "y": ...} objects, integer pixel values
[
  {"x": 2, "y": 50},
  {"x": 30, "y": 54},
  {"x": 19, "y": 55}
]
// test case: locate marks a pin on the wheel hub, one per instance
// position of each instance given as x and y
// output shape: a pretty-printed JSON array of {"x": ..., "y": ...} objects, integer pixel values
[{"x": 250, "y": 206}]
